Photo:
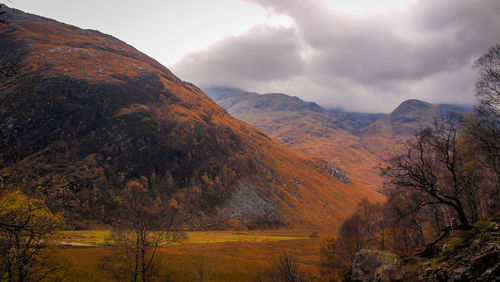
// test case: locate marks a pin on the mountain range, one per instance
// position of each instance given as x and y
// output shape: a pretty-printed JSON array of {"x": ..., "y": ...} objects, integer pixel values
[
  {"x": 358, "y": 143},
  {"x": 87, "y": 110}
]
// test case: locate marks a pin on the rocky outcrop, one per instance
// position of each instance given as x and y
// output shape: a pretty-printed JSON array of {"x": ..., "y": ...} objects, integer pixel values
[
  {"x": 246, "y": 203},
  {"x": 473, "y": 255},
  {"x": 376, "y": 266},
  {"x": 335, "y": 171}
]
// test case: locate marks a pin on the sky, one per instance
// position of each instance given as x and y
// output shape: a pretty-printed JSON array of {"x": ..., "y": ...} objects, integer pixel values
[{"x": 359, "y": 55}]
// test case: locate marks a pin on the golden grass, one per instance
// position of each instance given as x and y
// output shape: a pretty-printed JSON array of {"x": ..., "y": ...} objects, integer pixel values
[
  {"x": 99, "y": 237},
  {"x": 224, "y": 237},
  {"x": 94, "y": 237},
  {"x": 224, "y": 261},
  {"x": 227, "y": 255}
]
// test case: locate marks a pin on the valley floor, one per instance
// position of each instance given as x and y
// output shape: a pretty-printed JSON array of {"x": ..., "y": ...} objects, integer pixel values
[{"x": 225, "y": 255}]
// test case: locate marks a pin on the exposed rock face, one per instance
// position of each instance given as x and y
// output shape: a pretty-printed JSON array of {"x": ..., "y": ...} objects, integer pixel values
[
  {"x": 335, "y": 171},
  {"x": 376, "y": 266},
  {"x": 247, "y": 203}
]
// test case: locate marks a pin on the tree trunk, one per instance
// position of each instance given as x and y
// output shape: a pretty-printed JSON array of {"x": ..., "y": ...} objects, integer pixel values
[
  {"x": 20, "y": 273},
  {"x": 136, "y": 270},
  {"x": 464, "y": 222},
  {"x": 143, "y": 260},
  {"x": 11, "y": 278}
]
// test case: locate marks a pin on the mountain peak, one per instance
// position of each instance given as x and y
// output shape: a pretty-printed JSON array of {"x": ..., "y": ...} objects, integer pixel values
[
  {"x": 408, "y": 117},
  {"x": 412, "y": 105}
]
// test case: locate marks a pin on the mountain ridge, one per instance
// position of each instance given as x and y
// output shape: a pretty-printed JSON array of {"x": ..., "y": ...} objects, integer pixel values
[{"x": 359, "y": 143}]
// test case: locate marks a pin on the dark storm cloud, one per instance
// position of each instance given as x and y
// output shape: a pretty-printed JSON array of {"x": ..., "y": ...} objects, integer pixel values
[
  {"x": 262, "y": 54},
  {"x": 345, "y": 60}
]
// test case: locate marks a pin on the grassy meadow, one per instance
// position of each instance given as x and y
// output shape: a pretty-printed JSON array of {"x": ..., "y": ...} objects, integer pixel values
[
  {"x": 225, "y": 255},
  {"x": 99, "y": 237}
]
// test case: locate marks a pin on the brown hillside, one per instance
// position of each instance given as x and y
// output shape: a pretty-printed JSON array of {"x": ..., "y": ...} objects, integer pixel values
[
  {"x": 93, "y": 111},
  {"x": 305, "y": 127},
  {"x": 357, "y": 143}
]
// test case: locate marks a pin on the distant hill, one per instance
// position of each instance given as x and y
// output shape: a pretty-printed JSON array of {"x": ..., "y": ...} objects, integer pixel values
[
  {"x": 388, "y": 133},
  {"x": 409, "y": 117},
  {"x": 358, "y": 142},
  {"x": 89, "y": 111},
  {"x": 241, "y": 102}
]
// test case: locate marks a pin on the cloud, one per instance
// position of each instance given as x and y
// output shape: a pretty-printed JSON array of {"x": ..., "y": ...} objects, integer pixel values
[
  {"x": 364, "y": 63},
  {"x": 263, "y": 54}
]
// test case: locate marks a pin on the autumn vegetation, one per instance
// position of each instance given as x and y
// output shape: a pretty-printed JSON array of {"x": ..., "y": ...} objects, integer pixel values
[
  {"x": 445, "y": 180},
  {"x": 95, "y": 113},
  {"x": 147, "y": 160}
]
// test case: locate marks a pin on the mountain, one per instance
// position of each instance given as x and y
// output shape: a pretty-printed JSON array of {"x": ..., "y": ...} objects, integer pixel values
[
  {"x": 306, "y": 127},
  {"x": 389, "y": 132},
  {"x": 409, "y": 117},
  {"x": 358, "y": 143},
  {"x": 86, "y": 113}
]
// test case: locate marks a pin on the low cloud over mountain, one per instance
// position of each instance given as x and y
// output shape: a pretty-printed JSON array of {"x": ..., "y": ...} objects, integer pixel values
[{"x": 356, "y": 62}]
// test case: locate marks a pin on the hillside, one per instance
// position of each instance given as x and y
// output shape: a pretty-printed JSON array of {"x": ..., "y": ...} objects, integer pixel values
[
  {"x": 86, "y": 112},
  {"x": 358, "y": 143},
  {"x": 305, "y": 127}
]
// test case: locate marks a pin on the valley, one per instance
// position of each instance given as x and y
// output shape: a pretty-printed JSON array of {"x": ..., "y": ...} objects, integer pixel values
[
  {"x": 358, "y": 143},
  {"x": 113, "y": 168}
]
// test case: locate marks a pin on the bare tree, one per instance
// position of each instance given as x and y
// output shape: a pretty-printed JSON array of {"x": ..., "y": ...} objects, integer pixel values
[
  {"x": 484, "y": 127},
  {"x": 363, "y": 229},
  {"x": 145, "y": 225},
  {"x": 432, "y": 170},
  {"x": 488, "y": 84},
  {"x": 285, "y": 268},
  {"x": 330, "y": 260},
  {"x": 404, "y": 222},
  {"x": 200, "y": 266}
]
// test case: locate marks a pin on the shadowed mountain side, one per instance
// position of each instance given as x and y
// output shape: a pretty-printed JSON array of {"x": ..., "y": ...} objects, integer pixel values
[{"x": 93, "y": 111}]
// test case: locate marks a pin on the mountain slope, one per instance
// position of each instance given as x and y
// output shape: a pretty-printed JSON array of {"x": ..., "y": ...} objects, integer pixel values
[
  {"x": 358, "y": 143},
  {"x": 92, "y": 112},
  {"x": 308, "y": 128}
]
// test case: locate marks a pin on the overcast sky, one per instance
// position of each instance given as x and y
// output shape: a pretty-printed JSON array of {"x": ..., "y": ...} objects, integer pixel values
[{"x": 361, "y": 55}]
